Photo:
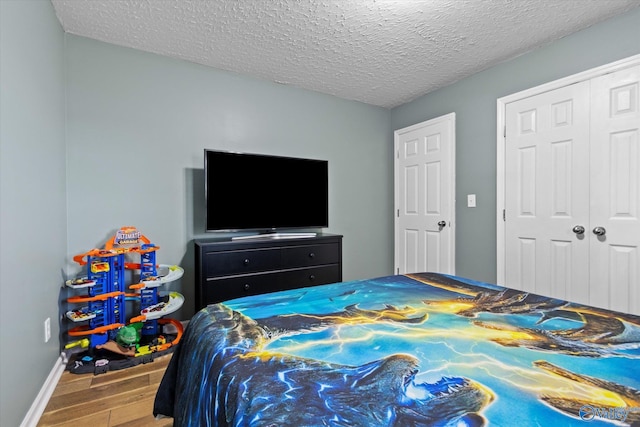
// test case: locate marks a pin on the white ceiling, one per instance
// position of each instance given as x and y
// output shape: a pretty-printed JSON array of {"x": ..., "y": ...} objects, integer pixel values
[{"x": 380, "y": 52}]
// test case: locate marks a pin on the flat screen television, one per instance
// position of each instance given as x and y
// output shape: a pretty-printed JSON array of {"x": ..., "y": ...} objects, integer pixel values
[{"x": 264, "y": 193}]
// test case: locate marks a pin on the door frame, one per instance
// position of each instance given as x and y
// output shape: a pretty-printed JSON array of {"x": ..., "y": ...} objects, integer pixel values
[
  {"x": 451, "y": 118},
  {"x": 501, "y": 143}
]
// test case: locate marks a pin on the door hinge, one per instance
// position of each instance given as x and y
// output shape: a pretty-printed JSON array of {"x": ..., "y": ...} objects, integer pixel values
[
  {"x": 398, "y": 213},
  {"x": 504, "y": 214},
  {"x": 504, "y": 133}
]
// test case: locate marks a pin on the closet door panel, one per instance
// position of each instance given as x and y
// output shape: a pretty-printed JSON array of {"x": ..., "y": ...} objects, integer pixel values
[
  {"x": 615, "y": 190},
  {"x": 547, "y": 175}
]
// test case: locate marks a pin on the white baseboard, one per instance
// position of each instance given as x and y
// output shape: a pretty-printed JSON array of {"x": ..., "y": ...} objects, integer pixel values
[{"x": 38, "y": 405}]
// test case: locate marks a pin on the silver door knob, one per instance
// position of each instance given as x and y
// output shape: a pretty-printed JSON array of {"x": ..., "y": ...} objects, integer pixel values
[
  {"x": 578, "y": 229},
  {"x": 599, "y": 231},
  {"x": 442, "y": 224}
]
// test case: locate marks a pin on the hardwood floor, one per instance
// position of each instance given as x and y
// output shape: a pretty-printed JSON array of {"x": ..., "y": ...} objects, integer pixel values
[{"x": 116, "y": 398}]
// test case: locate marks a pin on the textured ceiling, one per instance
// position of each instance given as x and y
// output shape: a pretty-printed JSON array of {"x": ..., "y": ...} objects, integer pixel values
[{"x": 380, "y": 52}]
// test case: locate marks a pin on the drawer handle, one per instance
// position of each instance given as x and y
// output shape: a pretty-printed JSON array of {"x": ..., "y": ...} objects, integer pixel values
[
  {"x": 247, "y": 286},
  {"x": 312, "y": 277},
  {"x": 312, "y": 255},
  {"x": 246, "y": 261}
]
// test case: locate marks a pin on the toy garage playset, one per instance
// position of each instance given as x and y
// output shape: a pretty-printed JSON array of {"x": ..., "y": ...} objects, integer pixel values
[{"x": 111, "y": 341}]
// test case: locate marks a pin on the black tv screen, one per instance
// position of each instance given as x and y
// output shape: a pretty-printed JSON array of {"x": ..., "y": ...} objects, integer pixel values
[{"x": 262, "y": 192}]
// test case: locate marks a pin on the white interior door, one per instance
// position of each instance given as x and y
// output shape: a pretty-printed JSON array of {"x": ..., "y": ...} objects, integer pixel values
[
  {"x": 547, "y": 187},
  {"x": 615, "y": 190},
  {"x": 424, "y": 197}
]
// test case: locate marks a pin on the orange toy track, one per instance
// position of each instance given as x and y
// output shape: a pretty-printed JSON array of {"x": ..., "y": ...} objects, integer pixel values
[
  {"x": 84, "y": 330},
  {"x": 109, "y": 251},
  {"x": 180, "y": 330},
  {"x": 140, "y": 318},
  {"x": 114, "y": 252},
  {"x": 86, "y": 298}
]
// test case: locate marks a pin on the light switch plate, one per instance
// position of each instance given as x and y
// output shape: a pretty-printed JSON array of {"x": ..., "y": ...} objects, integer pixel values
[{"x": 471, "y": 200}]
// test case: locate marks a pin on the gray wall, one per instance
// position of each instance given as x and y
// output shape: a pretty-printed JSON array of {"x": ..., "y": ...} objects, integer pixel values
[
  {"x": 474, "y": 102},
  {"x": 138, "y": 124},
  {"x": 33, "y": 212}
]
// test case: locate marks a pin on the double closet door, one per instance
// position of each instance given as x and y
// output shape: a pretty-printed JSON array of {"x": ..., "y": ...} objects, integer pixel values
[{"x": 572, "y": 192}]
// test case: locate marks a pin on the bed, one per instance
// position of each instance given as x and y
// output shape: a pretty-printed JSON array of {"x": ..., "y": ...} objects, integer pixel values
[{"x": 423, "y": 349}]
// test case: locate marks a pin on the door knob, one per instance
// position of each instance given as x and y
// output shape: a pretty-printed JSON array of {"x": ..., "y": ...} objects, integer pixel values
[
  {"x": 442, "y": 224},
  {"x": 599, "y": 231},
  {"x": 578, "y": 229}
]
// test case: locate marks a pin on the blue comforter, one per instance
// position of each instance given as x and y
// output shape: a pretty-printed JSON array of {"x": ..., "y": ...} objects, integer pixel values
[{"x": 408, "y": 350}]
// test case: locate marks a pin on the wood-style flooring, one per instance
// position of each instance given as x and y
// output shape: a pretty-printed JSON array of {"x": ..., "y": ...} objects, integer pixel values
[{"x": 116, "y": 398}]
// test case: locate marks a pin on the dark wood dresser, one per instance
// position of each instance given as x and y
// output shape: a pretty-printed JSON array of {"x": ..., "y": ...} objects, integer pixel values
[{"x": 228, "y": 269}]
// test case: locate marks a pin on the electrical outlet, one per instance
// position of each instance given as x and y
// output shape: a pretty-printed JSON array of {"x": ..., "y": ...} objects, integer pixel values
[{"x": 47, "y": 329}]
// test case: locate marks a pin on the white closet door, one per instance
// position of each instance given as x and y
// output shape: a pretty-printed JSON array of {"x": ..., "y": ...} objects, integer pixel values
[
  {"x": 547, "y": 193},
  {"x": 615, "y": 191}
]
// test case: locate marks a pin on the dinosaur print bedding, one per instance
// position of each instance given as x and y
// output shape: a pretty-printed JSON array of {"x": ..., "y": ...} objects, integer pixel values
[{"x": 408, "y": 350}]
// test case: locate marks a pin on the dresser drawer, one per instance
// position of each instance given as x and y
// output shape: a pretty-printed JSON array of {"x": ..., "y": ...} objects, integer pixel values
[
  {"x": 308, "y": 255},
  {"x": 311, "y": 276},
  {"x": 217, "y": 290},
  {"x": 223, "y": 289},
  {"x": 240, "y": 262}
]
